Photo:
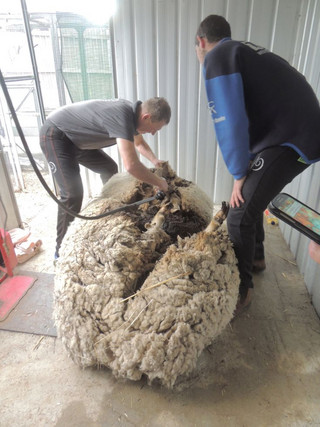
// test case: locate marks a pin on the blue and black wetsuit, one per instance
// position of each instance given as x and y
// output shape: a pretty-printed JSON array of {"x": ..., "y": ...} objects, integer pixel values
[{"x": 265, "y": 109}]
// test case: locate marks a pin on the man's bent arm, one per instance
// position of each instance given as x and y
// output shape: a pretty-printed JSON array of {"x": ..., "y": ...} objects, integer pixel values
[
  {"x": 143, "y": 147},
  {"x": 134, "y": 166}
]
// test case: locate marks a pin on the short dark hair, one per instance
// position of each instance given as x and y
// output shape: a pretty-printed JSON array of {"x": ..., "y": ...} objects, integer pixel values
[
  {"x": 159, "y": 109},
  {"x": 214, "y": 28}
]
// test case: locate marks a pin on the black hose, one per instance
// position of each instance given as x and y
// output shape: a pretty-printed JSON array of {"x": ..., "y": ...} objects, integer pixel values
[{"x": 35, "y": 167}]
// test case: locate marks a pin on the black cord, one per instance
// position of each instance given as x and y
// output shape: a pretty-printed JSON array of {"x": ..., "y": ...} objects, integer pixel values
[{"x": 34, "y": 165}]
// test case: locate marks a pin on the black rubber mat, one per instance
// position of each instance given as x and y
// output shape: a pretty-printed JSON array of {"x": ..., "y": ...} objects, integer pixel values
[{"x": 33, "y": 313}]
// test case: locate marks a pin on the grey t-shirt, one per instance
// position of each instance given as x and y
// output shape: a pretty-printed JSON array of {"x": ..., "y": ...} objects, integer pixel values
[{"x": 97, "y": 123}]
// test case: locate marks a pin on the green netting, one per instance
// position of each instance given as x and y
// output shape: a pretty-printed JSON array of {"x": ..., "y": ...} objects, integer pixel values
[{"x": 86, "y": 58}]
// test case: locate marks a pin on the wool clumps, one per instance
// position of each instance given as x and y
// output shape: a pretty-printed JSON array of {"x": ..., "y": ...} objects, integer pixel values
[{"x": 146, "y": 290}]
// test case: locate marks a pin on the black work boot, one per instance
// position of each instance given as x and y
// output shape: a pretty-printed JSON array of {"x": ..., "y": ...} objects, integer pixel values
[{"x": 258, "y": 265}]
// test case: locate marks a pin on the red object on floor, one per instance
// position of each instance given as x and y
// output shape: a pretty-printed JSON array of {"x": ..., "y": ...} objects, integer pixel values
[
  {"x": 8, "y": 255},
  {"x": 11, "y": 292},
  {"x": 12, "y": 289}
]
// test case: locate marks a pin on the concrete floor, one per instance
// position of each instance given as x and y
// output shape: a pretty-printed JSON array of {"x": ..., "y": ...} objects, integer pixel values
[{"x": 262, "y": 371}]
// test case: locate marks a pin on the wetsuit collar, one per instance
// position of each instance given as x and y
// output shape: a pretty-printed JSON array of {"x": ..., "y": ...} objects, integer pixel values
[{"x": 224, "y": 40}]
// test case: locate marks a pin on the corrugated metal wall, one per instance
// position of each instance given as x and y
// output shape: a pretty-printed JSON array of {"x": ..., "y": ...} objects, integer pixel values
[
  {"x": 307, "y": 186},
  {"x": 155, "y": 56}
]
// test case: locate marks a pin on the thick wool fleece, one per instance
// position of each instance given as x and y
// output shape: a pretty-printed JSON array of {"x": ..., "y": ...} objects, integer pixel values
[{"x": 129, "y": 296}]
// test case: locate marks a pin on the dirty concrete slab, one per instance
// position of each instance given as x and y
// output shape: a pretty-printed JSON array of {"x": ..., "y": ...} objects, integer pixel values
[{"x": 262, "y": 371}]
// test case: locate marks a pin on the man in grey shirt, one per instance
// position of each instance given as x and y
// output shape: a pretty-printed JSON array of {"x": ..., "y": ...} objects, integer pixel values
[{"x": 75, "y": 134}]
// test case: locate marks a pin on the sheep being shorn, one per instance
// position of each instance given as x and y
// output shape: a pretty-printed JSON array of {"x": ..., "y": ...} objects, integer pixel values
[{"x": 145, "y": 291}]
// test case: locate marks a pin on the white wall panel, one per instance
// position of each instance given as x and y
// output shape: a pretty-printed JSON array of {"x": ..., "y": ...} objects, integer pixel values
[
  {"x": 167, "y": 75},
  {"x": 145, "y": 41},
  {"x": 239, "y": 16},
  {"x": 287, "y": 16},
  {"x": 263, "y": 19},
  {"x": 125, "y": 50},
  {"x": 188, "y": 82}
]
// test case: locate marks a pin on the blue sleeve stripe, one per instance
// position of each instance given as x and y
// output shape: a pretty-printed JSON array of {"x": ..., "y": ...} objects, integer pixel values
[{"x": 227, "y": 107}]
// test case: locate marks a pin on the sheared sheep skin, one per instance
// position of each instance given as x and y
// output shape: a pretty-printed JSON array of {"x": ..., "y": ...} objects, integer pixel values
[{"x": 140, "y": 301}]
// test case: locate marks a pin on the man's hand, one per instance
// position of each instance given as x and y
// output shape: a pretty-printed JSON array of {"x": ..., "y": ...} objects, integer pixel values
[
  {"x": 158, "y": 164},
  {"x": 201, "y": 53},
  {"x": 143, "y": 147},
  {"x": 163, "y": 185},
  {"x": 201, "y": 50},
  {"x": 236, "y": 196},
  {"x": 133, "y": 165}
]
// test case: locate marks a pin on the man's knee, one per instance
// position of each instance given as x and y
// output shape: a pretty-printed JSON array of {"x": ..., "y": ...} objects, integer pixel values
[
  {"x": 234, "y": 219},
  {"x": 114, "y": 169},
  {"x": 106, "y": 175},
  {"x": 72, "y": 202}
]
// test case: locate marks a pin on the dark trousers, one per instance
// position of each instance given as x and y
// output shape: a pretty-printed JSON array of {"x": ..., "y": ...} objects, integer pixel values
[
  {"x": 271, "y": 170},
  {"x": 64, "y": 159}
]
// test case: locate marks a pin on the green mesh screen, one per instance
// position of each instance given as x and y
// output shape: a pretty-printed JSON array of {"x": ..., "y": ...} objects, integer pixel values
[{"x": 86, "y": 58}]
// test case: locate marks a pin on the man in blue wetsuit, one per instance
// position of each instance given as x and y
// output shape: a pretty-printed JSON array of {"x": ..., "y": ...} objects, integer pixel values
[{"x": 267, "y": 122}]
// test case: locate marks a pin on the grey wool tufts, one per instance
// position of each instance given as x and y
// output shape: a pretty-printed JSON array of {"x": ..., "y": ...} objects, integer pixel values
[{"x": 145, "y": 291}]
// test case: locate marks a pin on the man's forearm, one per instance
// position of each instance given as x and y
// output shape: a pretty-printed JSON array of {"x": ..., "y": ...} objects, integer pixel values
[
  {"x": 134, "y": 166},
  {"x": 141, "y": 172},
  {"x": 146, "y": 152}
]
